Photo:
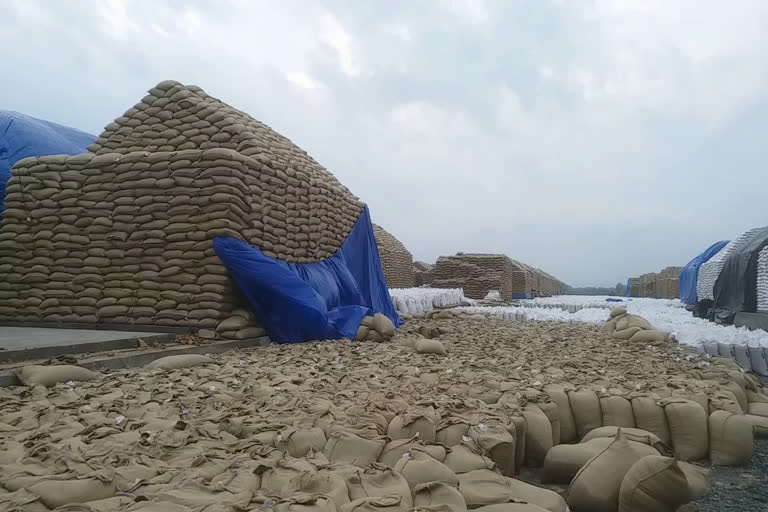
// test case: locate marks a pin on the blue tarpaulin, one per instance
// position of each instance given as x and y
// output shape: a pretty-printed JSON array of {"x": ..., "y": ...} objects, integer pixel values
[
  {"x": 297, "y": 302},
  {"x": 23, "y": 136},
  {"x": 690, "y": 273}
]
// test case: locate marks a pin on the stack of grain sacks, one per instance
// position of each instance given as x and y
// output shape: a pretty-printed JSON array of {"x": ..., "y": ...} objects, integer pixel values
[
  {"x": 523, "y": 281},
  {"x": 476, "y": 274},
  {"x": 396, "y": 261},
  {"x": 668, "y": 283},
  {"x": 709, "y": 271},
  {"x": 422, "y": 273},
  {"x": 123, "y": 234}
]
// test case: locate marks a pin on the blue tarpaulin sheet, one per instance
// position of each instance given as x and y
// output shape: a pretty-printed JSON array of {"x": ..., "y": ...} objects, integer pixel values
[
  {"x": 297, "y": 302},
  {"x": 690, "y": 273},
  {"x": 22, "y": 136}
]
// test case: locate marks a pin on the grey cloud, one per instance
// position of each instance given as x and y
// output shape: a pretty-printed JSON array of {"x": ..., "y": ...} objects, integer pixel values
[{"x": 591, "y": 141}]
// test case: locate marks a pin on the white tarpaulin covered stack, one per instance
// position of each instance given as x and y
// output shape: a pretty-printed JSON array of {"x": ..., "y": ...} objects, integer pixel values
[{"x": 709, "y": 271}]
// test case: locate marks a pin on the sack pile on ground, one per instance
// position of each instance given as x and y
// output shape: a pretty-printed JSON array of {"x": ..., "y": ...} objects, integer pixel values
[
  {"x": 710, "y": 270},
  {"x": 477, "y": 274},
  {"x": 334, "y": 426},
  {"x": 396, "y": 261},
  {"x": 124, "y": 234},
  {"x": 624, "y": 326},
  {"x": 422, "y": 273}
]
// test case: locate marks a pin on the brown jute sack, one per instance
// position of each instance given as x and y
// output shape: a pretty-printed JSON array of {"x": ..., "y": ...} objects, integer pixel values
[
  {"x": 758, "y": 409},
  {"x": 608, "y": 327},
  {"x": 586, "y": 411},
  {"x": 512, "y": 506},
  {"x": 379, "y": 504},
  {"x": 432, "y": 494},
  {"x": 565, "y": 460},
  {"x": 420, "y": 468},
  {"x": 498, "y": 443},
  {"x": 649, "y": 336},
  {"x": 551, "y": 409},
  {"x": 51, "y": 375},
  {"x": 617, "y": 411},
  {"x": 759, "y": 423},
  {"x": 538, "y": 440},
  {"x": 462, "y": 459},
  {"x": 730, "y": 439},
  {"x": 521, "y": 431},
  {"x": 395, "y": 449},
  {"x": 56, "y": 493},
  {"x": 618, "y": 312},
  {"x": 632, "y": 434},
  {"x": 352, "y": 449},
  {"x": 377, "y": 481},
  {"x": 326, "y": 483},
  {"x": 383, "y": 325},
  {"x": 427, "y": 346},
  {"x": 483, "y": 487},
  {"x": 688, "y": 428},
  {"x": 567, "y": 424},
  {"x": 546, "y": 499},
  {"x": 626, "y": 334},
  {"x": 179, "y": 361},
  {"x": 595, "y": 488},
  {"x": 654, "y": 484},
  {"x": 298, "y": 442},
  {"x": 697, "y": 478},
  {"x": 305, "y": 503},
  {"x": 421, "y": 425},
  {"x": 649, "y": 415}
]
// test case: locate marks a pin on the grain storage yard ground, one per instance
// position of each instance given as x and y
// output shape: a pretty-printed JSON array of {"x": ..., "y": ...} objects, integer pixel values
[{"x": 217, "y": 435}]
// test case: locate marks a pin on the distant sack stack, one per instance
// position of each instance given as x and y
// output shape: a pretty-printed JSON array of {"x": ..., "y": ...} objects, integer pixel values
[
  {"x": 477, "y": 274},
  {"x": 396, "y": 261},
  {"x": 124, "y": 234}
]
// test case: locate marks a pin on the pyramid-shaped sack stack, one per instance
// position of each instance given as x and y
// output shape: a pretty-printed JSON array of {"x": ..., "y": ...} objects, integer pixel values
[
  {"x": 123, "y": 234},
  {"x": 396, "y": 260}
]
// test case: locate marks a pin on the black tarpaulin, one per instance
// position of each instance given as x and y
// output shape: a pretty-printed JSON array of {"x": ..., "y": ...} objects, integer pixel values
[{"x": 736, "y": 287}]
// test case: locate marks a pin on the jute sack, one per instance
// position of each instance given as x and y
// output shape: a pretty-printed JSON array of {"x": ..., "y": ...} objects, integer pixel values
[
  {"x": 567, "y": 424},
  {"x": 759, "y": 423},
  {"x": 378, "y": 481},
  {"x": 538, "y": 440},
  {"x": 393, "y": 450},
  {"x": 421, "y": 425},
  {"x": 758, "y": 409},
  {"x": 586, "y": 411},
  {"x": 51, "y": 375},
  {"x": 352, "y": 449},
  {"x": 551, "y": 409},
  {"x": 697, "y": 478},
  {"x": 565, "y": 460},
  {"x": 21, "y": 500},
  {"x": 654, "y": 484},
  {"x": 512, "y": 506},
  {"x": 305, "y": 503},
  {"x": 649, "y": 336},
  {"x": 756, "y": 396},
  {"x": 298, "y": 442},
  {"x": 427, "y": 346},
  {"x": 521, "y": 432},
  {"x": 618, "y": 312},
  {"x": 596, "y": 486},
  {"x": 649, "y": 415},
  {"x": 617, "y": 411},
  {"x": 498, "y": 443},
  {"x": 432, "y": 494},
  {"x": 325, "y": 482},
  {"x": 379, "y": 504},
  {"x": 483, "y": 487},
  {"x": 688, "y": 428},
  {"x": 632, "y": 434},
  {"x": 462, "y": 459},
  {"x": 420, "y": 468},
  {"x": 608, "y": 327},
  {"x": 626, "y": 334},
  {"x": 56, "y": 493},
  {"x": 177, "y": 362},
  {"x": 730, "y": 439},
  {"x": 544, "y": 498},
  {"x": 383, "y": 325}
]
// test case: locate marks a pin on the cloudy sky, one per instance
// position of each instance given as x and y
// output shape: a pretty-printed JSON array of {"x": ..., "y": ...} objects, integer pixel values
[{"x": 595, "y": 139}]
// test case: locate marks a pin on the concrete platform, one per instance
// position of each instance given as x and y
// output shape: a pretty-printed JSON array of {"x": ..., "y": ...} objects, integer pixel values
[
  {"x": 25, "y": 343},
  {"x": 132, "y": 357}
]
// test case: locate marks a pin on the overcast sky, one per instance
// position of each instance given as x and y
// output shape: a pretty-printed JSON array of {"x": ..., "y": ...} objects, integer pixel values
[{"x": 594, "y": 139}]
